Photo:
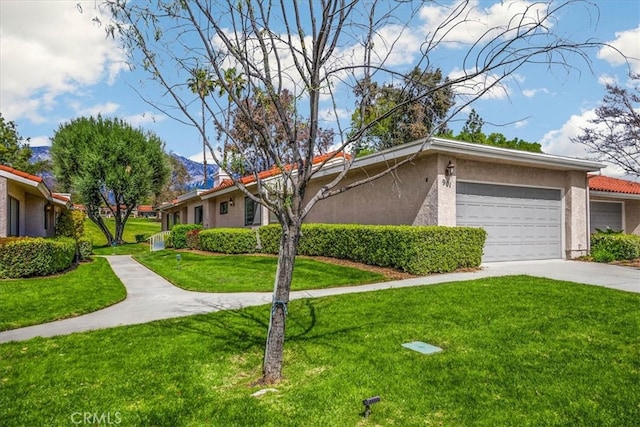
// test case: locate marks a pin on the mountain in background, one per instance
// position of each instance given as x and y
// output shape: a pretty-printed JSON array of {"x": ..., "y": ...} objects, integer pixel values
[{"x": 194, "y": 169}]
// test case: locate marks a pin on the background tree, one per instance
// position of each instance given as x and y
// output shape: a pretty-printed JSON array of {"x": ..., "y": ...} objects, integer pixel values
[
  {"x": 420, "y": 104},
  {"x": 258, "y": 124},
  {"x": 472, "y": 132},
  {"x": 15, "y": 150},
  {"x": 110, "y": 164},
  {"x": 202, "y": 84},
  {"x": 615, "y": 134},
  {"x": 177, "y": 184},
  {"x": 319, "y": 51}
]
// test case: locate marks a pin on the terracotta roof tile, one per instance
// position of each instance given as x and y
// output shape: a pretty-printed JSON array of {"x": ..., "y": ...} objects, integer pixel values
[
  {"x": 60, "y": 197},
  {"x": 613, "y": 185},
  {"x": 145, "y": 208},
  {"x": 20, "y": 173},
  {"x": 226, "y": 183}
]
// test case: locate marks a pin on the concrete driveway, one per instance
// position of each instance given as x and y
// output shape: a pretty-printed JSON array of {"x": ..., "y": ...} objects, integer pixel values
[{"x": 150, "y": 297}]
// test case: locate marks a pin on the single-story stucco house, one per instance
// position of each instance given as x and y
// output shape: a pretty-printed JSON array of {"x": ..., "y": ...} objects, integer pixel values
[
  {"x": 533, "y": 205},
  {"x": 27, "y": 206}
]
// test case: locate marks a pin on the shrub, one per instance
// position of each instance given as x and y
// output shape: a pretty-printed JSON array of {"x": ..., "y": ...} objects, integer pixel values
[
  {"x": 178, "y": 236},
  {"x": 85, "y": 249},
  {"x": 28, "y": 256},
  {"x": 193, "y": 239},
  {"x": 70, "y": 224},
  {"x": 620, "y": 246},
  {"x": 228, "y": 240},
  {"x": 414, "y": 249},
  {"x": 602, "y": 255}
]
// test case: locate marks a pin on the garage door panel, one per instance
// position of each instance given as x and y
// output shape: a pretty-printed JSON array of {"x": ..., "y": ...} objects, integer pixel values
[{"x": 521, "y": 223}]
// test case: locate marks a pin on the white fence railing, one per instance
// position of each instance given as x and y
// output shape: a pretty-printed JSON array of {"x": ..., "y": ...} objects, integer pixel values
[{"x": 157, "y": 241}]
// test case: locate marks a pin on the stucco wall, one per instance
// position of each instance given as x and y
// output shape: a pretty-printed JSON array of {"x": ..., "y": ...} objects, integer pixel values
[
  {"x": 4, "y": 206},
  {"x": 396, "y": 198}
]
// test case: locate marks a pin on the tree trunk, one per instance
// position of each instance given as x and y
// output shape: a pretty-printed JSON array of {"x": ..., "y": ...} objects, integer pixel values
[
  {"x": 274, "y": 351},
  {"x": 103, "y": 227}
]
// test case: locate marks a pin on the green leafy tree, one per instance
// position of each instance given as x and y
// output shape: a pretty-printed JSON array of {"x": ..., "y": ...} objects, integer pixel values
[
  {"x": 70, "y": 223},
  {"x": 472, "y": 132},
  {"x": 111, "y": 165},
  {"x": 15, "y": 150},
  {"x": 392, "y": 113}
]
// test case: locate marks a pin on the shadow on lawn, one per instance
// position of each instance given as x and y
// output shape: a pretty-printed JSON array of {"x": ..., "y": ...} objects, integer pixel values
[{"x": 246, "y": 329}]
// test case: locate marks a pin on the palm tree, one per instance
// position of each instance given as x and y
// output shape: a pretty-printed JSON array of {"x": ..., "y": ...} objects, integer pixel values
[{"x": 202, "y": 83}]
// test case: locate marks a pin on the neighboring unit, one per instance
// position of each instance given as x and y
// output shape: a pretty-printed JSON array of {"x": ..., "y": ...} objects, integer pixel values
[
  {"x": 615, "y": 204},
  {"x": 27, "y": 206}
]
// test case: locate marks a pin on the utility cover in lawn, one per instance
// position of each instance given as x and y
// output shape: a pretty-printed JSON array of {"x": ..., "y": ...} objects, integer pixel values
[{"x": 422, "y": 347}]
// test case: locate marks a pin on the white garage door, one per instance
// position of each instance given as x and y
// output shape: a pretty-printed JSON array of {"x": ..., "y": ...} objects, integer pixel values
[
  {"x": 522, "y": 223},
  {"x": 605, "y": 215}
]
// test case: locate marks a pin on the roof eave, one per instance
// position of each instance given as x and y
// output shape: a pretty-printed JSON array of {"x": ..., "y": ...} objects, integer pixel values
[{"x": 614, "y": 194}]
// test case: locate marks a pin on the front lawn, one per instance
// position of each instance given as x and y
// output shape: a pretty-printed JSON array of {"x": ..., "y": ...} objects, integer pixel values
[
  {"x": 133, "y": 227},
  {"x": 517, "y": 351},
  {"x": 247, "y": 273},
  {"x": 89, "y": 287}
]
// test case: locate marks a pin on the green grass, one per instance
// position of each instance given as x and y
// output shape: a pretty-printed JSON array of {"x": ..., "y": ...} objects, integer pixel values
[
  {"x": 133, "y": 227},
  {"x": 248, "y": 273},
  {"x": 89, "y": 287},
  {"x": 518, "y": 351}
]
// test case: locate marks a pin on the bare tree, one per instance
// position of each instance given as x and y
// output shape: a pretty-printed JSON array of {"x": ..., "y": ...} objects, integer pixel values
[
  {"x": 319, "y": 50},
  {"x": 615, "y": 134}
]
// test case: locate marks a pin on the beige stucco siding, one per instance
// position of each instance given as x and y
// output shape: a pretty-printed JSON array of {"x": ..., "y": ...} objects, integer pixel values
[
  {"x": 4, "y": 201},
  {"x": 393, "y": 199}
]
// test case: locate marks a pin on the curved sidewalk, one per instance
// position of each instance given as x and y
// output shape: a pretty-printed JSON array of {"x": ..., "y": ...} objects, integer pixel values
[{"x": 150, "y": 297}]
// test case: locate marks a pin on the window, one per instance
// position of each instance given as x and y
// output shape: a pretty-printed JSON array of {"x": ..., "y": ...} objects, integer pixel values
[
  {"x": 197, "y": 215},
  {"x": 176, "y": 218},
  {"x": 14, "y": 217},
  {"x": 251, "y": 212},
  {"x": 47, "y": 208},
  {"x": 224, "y": 208}
]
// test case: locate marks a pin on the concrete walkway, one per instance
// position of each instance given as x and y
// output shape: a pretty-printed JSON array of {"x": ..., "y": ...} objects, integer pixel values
[{"x": 150, "y": 297}]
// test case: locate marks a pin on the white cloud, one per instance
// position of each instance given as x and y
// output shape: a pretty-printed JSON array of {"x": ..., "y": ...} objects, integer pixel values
[
  {"x": 39, "y": 141},
  {"x": 559, "y": 141},
  {"x": 606, "y": 79},
  {"x": 521, "y": 123},
  {"x": 144, "y": 118},
  {"x": 47, "y": 49},
  {"x": 107, "y": 109},
  {"x": 625, "y": 44},
  {"x": 485, "y": 86},
  {"x": 530, "y": 93},
  {"x": 460, "y": 23}
]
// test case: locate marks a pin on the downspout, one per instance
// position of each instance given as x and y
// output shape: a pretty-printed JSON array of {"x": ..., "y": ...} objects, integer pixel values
[{"x": 588, "y": 209}]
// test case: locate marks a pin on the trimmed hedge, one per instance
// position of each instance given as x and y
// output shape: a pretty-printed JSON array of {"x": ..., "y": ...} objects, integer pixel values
[
  {"x": 228, "y": 240},
  {"x": 416, "y": 250},
  {"x": 606, "y": 247},
  {"x": 178, "y": 236},
  {"x": 29, "y": 256}
]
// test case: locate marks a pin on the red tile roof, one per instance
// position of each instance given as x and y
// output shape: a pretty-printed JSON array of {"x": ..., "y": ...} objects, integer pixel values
[
  {"x": 613, "y": 185},
  {"x": 273, "y": 172},
  {"x": 145, "y": 208},
  {"x": 20, "y": 173},
  {"x": 60, "y": 197}
]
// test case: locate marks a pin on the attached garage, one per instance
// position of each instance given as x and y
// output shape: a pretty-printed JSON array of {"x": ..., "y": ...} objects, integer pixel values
[{"x": 522, "y": 223}]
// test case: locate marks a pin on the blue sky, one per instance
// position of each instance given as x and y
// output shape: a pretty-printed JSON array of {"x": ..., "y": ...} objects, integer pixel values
[{"x": 55, "y": 65}]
